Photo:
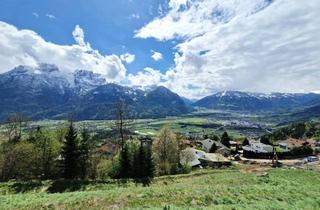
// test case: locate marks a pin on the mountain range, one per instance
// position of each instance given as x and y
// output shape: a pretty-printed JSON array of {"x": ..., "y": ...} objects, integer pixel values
[
  {"x": 45, "y": 92},
  {"x": 255, "y": 102}
]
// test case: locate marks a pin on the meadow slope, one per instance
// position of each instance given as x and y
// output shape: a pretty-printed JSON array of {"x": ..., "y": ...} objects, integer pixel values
[{"x": 203, "y": 189}]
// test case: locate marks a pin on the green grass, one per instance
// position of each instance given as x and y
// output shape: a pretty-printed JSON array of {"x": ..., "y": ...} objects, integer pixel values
[
  {"x": 198, "y": 122},
  {"x": 203, "y": 189}
]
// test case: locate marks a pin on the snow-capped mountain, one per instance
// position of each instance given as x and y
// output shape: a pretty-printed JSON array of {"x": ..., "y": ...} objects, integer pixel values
[
  {"x": 35, "y": 78},
  {"x": 85, "y": 81},
  {"x": 46, "y": 92},
  {"x": 247, "y": 101}
]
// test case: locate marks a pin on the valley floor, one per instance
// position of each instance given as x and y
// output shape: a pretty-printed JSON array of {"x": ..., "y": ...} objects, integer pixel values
[{"x": 240, "y": 187}]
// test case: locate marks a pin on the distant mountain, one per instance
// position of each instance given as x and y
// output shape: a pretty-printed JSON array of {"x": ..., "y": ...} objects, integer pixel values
[
  {"x": 252, "y": 102},
  {"x": 33, "y": 90},
  {"x": 45, "y": 92},
  {"x": 306, "y": 114},
  {"x": 188, "y": 102},
  {"x": 159, "y": 102}
]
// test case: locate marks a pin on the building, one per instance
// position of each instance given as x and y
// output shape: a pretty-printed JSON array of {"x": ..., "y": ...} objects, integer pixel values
[
  {"x": 258, "y": 147},
  {"x": 207, "y": 144},
  {"x": 198, "y": 158},
  {"x": 108, "y": 149},
  {"x": 291, "y": 143}
]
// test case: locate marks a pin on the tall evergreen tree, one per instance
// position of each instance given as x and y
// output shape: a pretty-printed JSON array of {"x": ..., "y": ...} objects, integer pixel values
[
  {"x": 70, "y": 154},
  {"x": 125, "y": 166},
  {"x": 84, "y": 153},
  {"x": 137, "y": 165},
  {"x": 245, "y": 142},
  {"x": 149, "y": 163},
  {"x": 225, "y": 139},
  {"x": 213, "y": 148}
]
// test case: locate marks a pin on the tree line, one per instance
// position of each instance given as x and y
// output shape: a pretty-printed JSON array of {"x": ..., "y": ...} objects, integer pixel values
[{"x": 68, "y": 153}]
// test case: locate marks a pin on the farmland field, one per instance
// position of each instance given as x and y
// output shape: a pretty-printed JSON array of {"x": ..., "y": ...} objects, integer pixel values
[
  {"x": 197, "y": 123},
  {"x": 235, "y": 188}
]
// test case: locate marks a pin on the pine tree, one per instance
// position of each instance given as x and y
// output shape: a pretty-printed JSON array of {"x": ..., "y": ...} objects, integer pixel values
[
  {"x": 245, "y": 142},
  {"x": 149, "y": 163},
  {"x": 137, "y": 164},
  {"x": 213, "y": 148},
  {"x": 70, "y": 154},
  {"x": 125, "y": 166},
  {"x": 225, "y": 139},
  {"x": 84, "y": 151}
]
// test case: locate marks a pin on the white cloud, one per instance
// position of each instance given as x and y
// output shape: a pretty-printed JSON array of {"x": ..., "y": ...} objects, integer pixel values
[
  {"x": 50, "y": 16},
  {"x": 156, "y": 55},
  {"x": 250, "y": 45},
  {"x": 149, "y": 77},
  {"x": 25, "y": 47},
  {"x": 127, "y": 57},
  {"x": 35, "y": 14},
  {"x": 78, "y": 35}
]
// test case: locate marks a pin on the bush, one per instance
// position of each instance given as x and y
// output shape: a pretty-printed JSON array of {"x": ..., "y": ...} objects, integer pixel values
[
  {"x": 19, "y": 161},
  {"x": 186, "y": 169},
  {"x": 304, "y": 150},
  {"x": 105, "y": 169}
]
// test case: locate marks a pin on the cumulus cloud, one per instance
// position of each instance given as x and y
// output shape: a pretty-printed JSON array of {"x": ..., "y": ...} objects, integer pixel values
[
  {"x": 127, "y": 57},
  {"x": 148, "y": 77},
  {"x": 249, "y": 45},
  {"x": 25, "y": 47},
  {"x": 156, "y": 55}
]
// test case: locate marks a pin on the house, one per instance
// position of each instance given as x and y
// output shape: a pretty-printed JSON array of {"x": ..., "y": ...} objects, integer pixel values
[
  {"x": 108, "y": 148},
  {"x": 258, "y": 147},
  {"x": 207, "y": 144},
  {"x": 235, "y": 145},
  {"x": 291, "y": 143},
  {"x": 198, "y": 158}
]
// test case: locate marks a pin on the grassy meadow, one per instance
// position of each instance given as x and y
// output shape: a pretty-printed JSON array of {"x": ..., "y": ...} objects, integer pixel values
[
  {"x": 235, "y": 188},
  {"x": 199, "y": 122}
]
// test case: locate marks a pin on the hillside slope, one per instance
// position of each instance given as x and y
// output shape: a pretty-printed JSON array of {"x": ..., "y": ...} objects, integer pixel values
[{"x": 203, "y": 189}]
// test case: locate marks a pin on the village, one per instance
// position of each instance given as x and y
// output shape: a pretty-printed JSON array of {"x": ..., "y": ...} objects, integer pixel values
[
  {"x": 208, "y": 152},
  {"x": 197, "y": 152}
]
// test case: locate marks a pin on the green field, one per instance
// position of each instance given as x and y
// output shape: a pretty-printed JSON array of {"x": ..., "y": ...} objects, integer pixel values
[
  {"x": 203, "y": 189},
  {"x": 197, "y": 123}
]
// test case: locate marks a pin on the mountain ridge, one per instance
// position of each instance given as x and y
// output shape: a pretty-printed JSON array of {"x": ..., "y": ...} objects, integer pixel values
[
  {"x": 248, "y": 101},
  {"x": 44, "y": 92}
]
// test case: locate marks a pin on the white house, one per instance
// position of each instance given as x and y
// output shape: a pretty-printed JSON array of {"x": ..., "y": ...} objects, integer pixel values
[
  {"x": 258, "y": 147},
  {"x": 194, "y": 157}
]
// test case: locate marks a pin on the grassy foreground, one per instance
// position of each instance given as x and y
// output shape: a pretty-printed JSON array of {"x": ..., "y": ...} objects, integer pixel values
[{"x": 203, "y": 189}]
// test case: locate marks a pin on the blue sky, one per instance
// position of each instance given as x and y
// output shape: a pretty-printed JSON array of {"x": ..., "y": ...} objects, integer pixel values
[
  {"x": 193, "y": 47},
  {"x": 108, "y": 25}
]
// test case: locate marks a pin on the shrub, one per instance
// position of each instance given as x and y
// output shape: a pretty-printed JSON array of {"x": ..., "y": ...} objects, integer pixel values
[{"x": 105, "y": 169}]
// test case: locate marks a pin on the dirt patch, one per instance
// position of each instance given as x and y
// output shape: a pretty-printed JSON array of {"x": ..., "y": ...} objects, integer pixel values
[{"x": 256, "y": 169}]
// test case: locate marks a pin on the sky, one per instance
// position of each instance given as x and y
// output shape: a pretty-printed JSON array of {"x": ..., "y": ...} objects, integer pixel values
[{"x": 193, "y": 47}]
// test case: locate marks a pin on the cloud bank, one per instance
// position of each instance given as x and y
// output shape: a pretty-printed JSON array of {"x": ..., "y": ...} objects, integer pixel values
[
  {"x": 249, "y": 45},
  {"x": 25, "y": 47}
]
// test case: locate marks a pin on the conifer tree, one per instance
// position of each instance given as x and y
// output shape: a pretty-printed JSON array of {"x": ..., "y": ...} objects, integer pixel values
[
  {"x": 125, "y": 166},
  {"x": 84, "y": 153},
  {"x": 137, "y": 165},
  {"x": 213, "y": 148},
  {"x": 225, "y": 139},
  {"x": 149, "y": 163},
  {"x": 70, "y": 154}
]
